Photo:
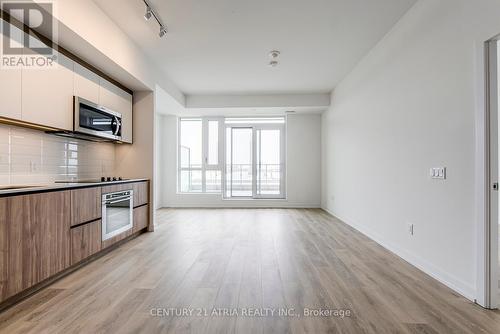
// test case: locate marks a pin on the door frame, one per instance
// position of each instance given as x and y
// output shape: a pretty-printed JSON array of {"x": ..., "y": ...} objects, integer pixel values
[
  {"x": 254, "y": 128},
  {"x": 488, "y": 258}
]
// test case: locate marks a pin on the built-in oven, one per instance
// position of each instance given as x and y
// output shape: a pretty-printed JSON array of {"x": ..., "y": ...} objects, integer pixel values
[
  {"x": 117, "y": 213},
  {"x": 93, "y": 119}
]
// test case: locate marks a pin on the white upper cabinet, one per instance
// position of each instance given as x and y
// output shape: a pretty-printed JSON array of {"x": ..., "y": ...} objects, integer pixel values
[
  {"x": 44, "y": 96},
  {"x": 86, "y": 84},
  {"x": 116, "y": 99},
  {"x": 47, "y": 95},
  {"x": 10, "y": 93},
  {"x": 127, "y": 120},
  {"x": 10, "y": 82}
]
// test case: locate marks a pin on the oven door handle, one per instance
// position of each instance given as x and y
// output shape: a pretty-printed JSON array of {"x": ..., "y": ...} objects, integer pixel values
[{"x": 118, "y": 200}]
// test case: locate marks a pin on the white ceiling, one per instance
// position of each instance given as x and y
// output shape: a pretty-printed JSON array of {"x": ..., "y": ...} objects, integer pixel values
[{"x": 222, "y": 46}]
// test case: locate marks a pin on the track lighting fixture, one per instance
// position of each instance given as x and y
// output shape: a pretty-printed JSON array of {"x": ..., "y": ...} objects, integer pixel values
[{"x": 150, "y": 12}]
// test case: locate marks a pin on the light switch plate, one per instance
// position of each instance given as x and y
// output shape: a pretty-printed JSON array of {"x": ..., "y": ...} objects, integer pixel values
[
  {"x": 438, "y": 173},
  {"x": 411, "y": 228}
]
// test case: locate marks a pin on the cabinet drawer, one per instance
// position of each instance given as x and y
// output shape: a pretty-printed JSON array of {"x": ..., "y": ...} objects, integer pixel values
[
  {"x": 141, "y": 218},
  {"x": 141, "y": 193},
  {"x": 85, "y": 241},
  {"x": 85, "y": 205}
]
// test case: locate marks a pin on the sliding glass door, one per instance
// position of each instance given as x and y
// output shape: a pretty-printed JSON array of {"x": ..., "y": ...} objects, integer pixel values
[
  {"x": 255, "y": 159},
  {"x": 269, "y": 163}
]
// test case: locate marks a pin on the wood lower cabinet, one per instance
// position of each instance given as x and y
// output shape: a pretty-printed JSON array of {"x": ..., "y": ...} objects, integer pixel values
[
  {"x": 141, "y": 218},
  {"x": 85, "y": 205},
  {"x": 85, "y": 241},
  {"x": 34, "y": 239},
  {"x": 141, "y": 193},
  {"x": 43, "y": 234}
]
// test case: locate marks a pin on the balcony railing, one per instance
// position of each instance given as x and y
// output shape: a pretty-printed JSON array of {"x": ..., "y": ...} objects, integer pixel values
[{"x": 239, "y": 178}]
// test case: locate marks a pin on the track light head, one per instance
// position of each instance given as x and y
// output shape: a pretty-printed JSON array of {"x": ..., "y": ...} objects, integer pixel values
[
  {"x": 163, "y": 31},
  {"x": 149, "y": 13}
]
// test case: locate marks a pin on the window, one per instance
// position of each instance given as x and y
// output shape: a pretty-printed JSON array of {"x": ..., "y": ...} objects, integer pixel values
[
  {"x": 238, "y": 157},
  {"x": 191, "y": 155},
  {"x": 213, "y": 142},
  {"x": 199, "y": 165}
]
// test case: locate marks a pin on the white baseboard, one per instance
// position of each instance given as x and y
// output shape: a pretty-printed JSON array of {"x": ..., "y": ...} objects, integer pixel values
[
  {"x": 244, "y": 204},
  {"x": 447, "y": 279}
]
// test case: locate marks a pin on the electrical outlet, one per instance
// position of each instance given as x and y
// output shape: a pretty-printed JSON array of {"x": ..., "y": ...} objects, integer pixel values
[
  {"x": 33, "y": 167},
  {"x": 438, "y": 173}
]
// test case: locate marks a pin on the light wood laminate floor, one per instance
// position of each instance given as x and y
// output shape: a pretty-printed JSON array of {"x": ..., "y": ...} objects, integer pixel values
[{"x": 242, "y": 260}]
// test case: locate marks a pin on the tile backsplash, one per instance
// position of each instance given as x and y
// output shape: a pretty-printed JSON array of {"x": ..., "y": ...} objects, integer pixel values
[{"x": 34, "y": 157}]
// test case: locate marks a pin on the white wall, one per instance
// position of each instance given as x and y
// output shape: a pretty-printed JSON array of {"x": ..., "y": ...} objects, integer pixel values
[
  {"x": 257, "y": 101},
  {"x": 303, "y": 168},
  {"x": 158, "y": 162},
  {"x": 414, "y": 103},
  {"x": 304, "y": 159}
]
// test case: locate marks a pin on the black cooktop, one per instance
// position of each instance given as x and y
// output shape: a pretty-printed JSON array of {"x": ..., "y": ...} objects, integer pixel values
[{"x": 102, "y": 179}]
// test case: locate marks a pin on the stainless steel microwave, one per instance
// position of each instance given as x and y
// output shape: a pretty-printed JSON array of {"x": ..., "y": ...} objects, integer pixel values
[{"x": 95, "y": 120}]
